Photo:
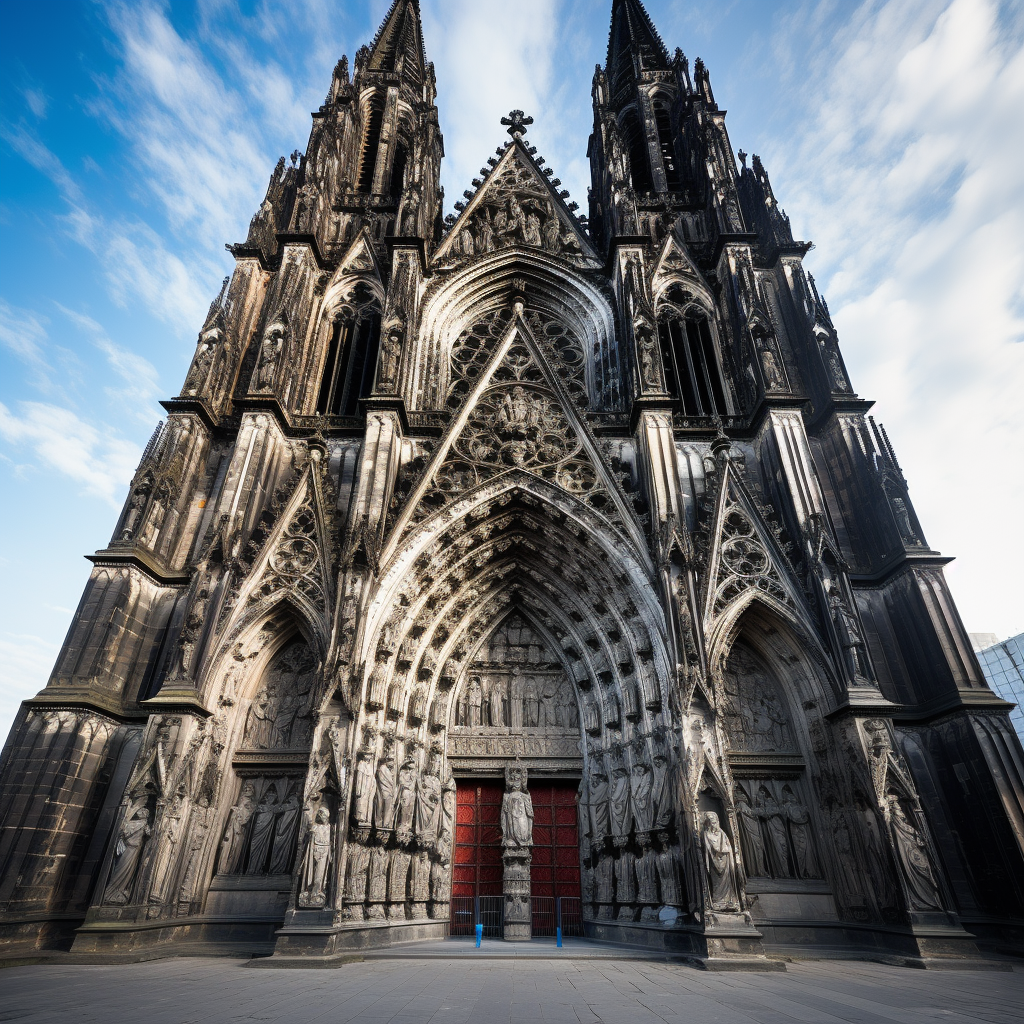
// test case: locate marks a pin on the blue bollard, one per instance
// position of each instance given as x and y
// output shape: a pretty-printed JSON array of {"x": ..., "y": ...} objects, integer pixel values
[
  {"x": 558, "y": 937},
  {"x": 480, "y": 935}
]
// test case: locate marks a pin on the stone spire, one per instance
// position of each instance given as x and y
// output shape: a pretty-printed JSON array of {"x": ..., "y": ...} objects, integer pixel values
[
  {"x": 398, "y": 45},
  {"x": 633, "y": 43}
]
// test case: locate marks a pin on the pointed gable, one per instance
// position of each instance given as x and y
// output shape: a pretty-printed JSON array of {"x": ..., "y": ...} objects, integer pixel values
[
  {"x": 519, "y": 419},
  {"x": 744, "y": 555},
  {"x": 517, "y": 205}
]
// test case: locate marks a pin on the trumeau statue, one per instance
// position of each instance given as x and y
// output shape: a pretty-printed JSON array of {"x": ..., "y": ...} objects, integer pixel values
[{"x": 590, "y": 498}]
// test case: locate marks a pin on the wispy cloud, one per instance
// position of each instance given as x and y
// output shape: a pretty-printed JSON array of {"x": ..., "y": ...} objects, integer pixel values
[
  {"x": 97, "y": 458},
  {"x": 910, "y": 178}
]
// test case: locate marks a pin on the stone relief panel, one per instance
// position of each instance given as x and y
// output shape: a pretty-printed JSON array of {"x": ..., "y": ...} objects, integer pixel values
[
  {"x": 776, "y": 833},
  {"x": 280, "y": 716},
  {"x": 515, "y": 691},
  {"x": 755, "y": 714},
  {"x": 262, "y": 827}
]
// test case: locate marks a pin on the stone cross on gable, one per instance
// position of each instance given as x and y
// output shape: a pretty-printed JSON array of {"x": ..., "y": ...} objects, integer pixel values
[{"x": 516, "y": 122}]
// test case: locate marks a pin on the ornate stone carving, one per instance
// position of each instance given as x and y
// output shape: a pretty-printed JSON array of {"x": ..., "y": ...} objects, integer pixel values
[
  {"x": 720, "y": 864},
  {"x": 517, "y": 844},
  {"x": 128, "y": 853},
  {"x": 316, "y": 860}
]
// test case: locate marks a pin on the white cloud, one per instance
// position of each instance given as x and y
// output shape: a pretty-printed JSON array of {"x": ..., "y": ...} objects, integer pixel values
[
  {"x": 37, "y": 101},
  {"x": 23, "y": 333},
  {"x": 25, "y": 664},
  {"x": 94, "y": 456},
  {"x": 910, "y": 179},
  {"x": 491, "y": 57}
]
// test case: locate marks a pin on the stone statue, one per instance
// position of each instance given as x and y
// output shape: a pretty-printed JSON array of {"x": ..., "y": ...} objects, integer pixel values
[
  {"x": 384, "y": 794},
  {"x": 262, "y": 836},
  {"x": 777, "y": 836},
  {"x": 405, "y": 800},
  {"x": 805, "y": 862},
  {"x": 516, "y": 816},
  {"x": 428, "y": 807},
  {"x": 641, "y": 801},
  {"x": 232, "y": 846},
  {"x": 720, "y": 864},
  {"x": 316, "y": 860},
  {"x": 597, "y": 802},
  {"x": 751, "y": 839},
  {"x": 912, "y": 858},
  {"x": 474, "y": 703},
  {"x": 363, "y": 787},
  {"x": 517, "y": 845},
  {"x": 260, "y": 727},
  {"x": 618, "y": 802},
  {"x": 287, "y": 824},
  {"x": 127, "y": 853},
  {"x": 668, "y": 872}
]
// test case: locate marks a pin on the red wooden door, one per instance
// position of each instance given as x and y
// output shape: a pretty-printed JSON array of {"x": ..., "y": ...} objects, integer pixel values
[
  {"x": 555, "y": 870},
  {"x": 477, "y": 867}
]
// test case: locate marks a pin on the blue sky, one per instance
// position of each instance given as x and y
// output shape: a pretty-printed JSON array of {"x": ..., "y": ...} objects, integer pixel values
[{"x": 137, "y": 138}]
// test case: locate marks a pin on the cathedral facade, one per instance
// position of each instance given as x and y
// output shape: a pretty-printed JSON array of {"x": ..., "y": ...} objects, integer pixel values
[{"x": 588, "y": 503}]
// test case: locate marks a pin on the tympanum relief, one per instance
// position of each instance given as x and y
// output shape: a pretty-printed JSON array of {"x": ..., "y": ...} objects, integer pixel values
[
  {"x": 280, "y": 716},
  {"x": 515, "y": 698}
]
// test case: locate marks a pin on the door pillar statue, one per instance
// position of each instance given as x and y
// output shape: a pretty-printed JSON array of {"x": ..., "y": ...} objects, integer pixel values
[{"x": 517, "y": 853}]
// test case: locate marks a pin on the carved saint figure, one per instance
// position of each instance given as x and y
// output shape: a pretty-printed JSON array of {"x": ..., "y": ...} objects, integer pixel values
[
  {"x": 668, "y": 872},
  {"x": 384, "y": 795},
  {"x": 282, "y": 853},
  {"x": 362, "y": 797},
  {"x": 720, "y": 864},
  {"x": 232, "y": 846},
  {"x": 848, "y": 631},
  {"x": 516, "y": 814},
  {"x": 428, "y": 807},
  {"x": 127, "y": 854},
  {"x": 800, "y": 833},
  {"x": 772, "y": 371},
  {"x": 532, "y": 230},
  {"x": 912, "y": 857},
  {"x": 552, "y": 231},
  {"x": 751, "y": 840},
  {"x": 262, "y": 835},
  {"x": 270, "y": 353},
  {"x": 778, "y": 838},
  {"x": 600, "y": 820},
  {"x": 260, "y": 728},
  {"x": 316, "y": 860},
  {"x": 474, "y": 703},
  {"x": 405, "y": 802},
  {"x": 640, "y": 796},
  {"x": 619, "y": 804},
  {"x": 531, "y": 703}
]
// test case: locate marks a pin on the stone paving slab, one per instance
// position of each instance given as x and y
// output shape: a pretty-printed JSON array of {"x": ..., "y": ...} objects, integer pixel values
[{"x": 599, "y": 991}]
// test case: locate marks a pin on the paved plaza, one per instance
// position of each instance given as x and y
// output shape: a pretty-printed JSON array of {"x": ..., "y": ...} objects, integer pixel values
[{"x": 518, "y": 990}]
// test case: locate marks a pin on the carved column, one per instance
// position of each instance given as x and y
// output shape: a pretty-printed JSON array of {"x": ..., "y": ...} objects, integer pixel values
[{"x": 517, "y": 847}]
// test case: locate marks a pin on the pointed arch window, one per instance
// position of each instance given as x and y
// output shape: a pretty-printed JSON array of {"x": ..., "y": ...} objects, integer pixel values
[
  {"x": 398, "y": 170},
  {"x": 371, "y": 143},
  {"x": 636, "y": 145},
  {"x": 691, "y": 364},
  {"x": 351, "y": 358},
  {"x": 663, "y": 121}
]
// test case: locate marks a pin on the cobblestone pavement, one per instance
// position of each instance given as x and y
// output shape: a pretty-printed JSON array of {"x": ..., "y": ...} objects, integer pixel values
[{"x": 177, "y": 991}]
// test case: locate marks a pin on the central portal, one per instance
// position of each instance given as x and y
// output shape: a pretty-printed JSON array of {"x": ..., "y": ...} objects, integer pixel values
[{"x": 477, "y": 865}]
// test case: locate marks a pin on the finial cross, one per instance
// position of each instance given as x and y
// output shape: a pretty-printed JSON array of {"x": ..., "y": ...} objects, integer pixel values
[{"x": 516, "y": 122}]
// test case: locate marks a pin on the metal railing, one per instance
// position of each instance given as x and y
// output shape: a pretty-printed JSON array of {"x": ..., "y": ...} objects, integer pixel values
[
  {"x": 466, "y": 912},
  {"x": 548, "y": 913}
]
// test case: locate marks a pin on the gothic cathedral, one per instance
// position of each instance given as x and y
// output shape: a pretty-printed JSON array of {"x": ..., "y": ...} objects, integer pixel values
[{"x": 521, "y": 568}]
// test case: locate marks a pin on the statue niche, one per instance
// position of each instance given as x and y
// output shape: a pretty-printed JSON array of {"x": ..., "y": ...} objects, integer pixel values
[
  {"x": 280, "y": 716},
  {"x": 756, "y": 718}
]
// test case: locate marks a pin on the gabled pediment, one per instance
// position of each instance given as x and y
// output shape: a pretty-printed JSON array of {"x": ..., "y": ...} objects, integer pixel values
[
  {"x": 517, "y": 205},
  {"x": 744, "y": 555},
  {"x": 518, "y": 420},
  {"x": 360, "y": 258},
  {"x": 674, "y": 265}
]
